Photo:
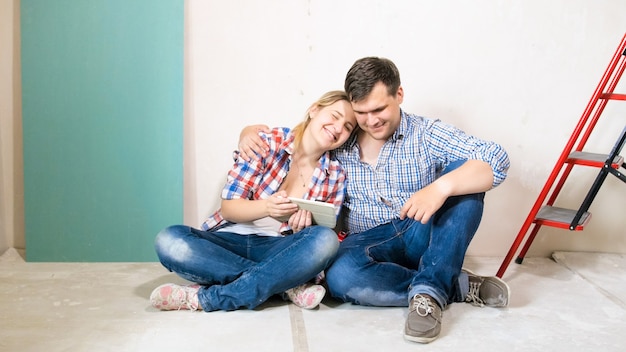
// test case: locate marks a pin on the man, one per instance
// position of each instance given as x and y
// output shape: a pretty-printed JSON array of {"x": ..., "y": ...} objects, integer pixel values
[{"x": 414, "y": 200}]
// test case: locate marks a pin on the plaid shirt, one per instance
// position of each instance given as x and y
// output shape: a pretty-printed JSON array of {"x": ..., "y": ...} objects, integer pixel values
[
  {"x": 259, "y": 179},
  {"x": 411, "y": 159}
]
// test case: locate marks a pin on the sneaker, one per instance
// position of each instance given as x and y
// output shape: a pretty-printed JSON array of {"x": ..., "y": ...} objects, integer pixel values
[
  {"x": 306, "y": 296},
  {"x": 175, "y": 297},
  {"x": 488, "y": 291},
  {"x": 423, "y": 323}
]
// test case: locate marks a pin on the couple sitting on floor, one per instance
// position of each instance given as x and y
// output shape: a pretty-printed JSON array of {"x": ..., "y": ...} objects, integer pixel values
[{"x": 410, "y": 191}]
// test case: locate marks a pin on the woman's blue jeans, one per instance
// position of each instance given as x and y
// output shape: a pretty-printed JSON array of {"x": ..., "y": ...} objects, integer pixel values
[
  {"x": 237, "y": 271},
  {"x": 389, "y": 264}
]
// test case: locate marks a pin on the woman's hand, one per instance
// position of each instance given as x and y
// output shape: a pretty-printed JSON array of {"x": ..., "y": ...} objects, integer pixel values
[
  {"x": 280, "y": 207},
  {"x": 251, "y": 144},
  {"x": 300, "y": 219}
]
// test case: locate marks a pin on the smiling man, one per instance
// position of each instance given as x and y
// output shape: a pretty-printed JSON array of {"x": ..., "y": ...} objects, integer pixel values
[{"x": 414, "y": 201}]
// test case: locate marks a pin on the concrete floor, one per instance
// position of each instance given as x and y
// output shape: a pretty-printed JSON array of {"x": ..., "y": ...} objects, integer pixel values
[{"x": 571, "y": 302}]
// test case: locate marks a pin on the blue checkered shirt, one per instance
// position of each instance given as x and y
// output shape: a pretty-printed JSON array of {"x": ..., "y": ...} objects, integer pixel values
[{"x": 411, "y": 159}]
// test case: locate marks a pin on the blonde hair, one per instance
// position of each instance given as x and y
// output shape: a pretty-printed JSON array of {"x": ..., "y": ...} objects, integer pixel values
[{"x": 329, "y": 98}]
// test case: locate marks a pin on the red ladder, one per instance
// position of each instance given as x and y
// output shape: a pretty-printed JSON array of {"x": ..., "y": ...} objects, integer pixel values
[{"x": 549, "y": 215}]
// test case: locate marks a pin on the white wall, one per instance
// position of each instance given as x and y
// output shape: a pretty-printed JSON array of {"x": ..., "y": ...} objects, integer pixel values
[
  {"x": 519, "y": 72},
  {"x": 516, "y": 71}
]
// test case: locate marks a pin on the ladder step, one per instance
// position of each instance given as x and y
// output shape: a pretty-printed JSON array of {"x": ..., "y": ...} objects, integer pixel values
[
  {"x": 560, "y": 217},
  {"x": 613, "y": 96},
  {"x": 593, "y": 159}
]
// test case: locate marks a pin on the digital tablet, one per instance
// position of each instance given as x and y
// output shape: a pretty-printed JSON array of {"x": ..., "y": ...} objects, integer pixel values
[{"x": 322, "y": 213}]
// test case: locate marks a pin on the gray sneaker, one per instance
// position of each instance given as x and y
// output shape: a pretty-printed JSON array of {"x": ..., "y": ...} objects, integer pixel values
[
  {"x": 488, "y": 291},
  {"x": 423, "y": 323}
]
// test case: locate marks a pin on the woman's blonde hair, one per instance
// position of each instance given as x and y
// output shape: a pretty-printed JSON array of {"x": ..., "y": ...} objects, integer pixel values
[{"x": 329, "y": 98}]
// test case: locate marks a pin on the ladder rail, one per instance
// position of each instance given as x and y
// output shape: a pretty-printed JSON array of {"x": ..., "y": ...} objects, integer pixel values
[
  {"x": 526, "y": 246},
  {"x": 604, "y": 172},
  {"x": 591, "y": 195},
  {"x": 618, "y": 174},
  {"x": 602, "y": 101},
  {"x": 560, "y": 183},
  {"x": 585, "y": 126}
]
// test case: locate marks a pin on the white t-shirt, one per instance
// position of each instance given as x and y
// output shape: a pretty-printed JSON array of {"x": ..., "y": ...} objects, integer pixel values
[{"x": 266, "y": 226}]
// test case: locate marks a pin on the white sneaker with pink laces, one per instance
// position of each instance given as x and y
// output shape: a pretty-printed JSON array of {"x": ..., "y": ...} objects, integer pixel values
[
  {"x": 175, "y": 297},
  {"x": 306, "y": 296}
]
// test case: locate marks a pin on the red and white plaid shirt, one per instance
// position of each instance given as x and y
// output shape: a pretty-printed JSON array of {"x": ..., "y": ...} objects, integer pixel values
[{"x": 259, "y": 179}]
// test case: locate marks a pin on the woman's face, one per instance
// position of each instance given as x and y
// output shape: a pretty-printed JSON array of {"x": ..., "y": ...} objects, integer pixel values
[{"x": 331, "y": 125}]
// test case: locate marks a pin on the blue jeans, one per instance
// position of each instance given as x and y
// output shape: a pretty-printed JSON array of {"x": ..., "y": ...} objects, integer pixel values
[
  {"x": 237, "y": 271},
  {"x": 389, "y": 264}
]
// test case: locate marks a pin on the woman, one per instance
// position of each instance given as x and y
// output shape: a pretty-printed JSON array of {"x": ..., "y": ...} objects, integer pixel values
[{"x": 259, "y": 243}]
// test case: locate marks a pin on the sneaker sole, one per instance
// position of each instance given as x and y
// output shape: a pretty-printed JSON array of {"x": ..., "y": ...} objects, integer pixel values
[{"x": 419, "y": 339}]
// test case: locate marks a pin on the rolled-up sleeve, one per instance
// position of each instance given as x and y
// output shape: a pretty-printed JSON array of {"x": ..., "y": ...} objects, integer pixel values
[{"x": 452, "y": 143}]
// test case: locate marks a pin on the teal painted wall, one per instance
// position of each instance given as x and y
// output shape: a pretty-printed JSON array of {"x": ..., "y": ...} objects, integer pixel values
[{"x": 102, "y": 114}]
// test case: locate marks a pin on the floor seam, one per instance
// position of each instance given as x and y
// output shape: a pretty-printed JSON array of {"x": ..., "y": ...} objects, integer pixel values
[
  {"x": 298, "y": 330},
  {"x": 560, "y": 260}
]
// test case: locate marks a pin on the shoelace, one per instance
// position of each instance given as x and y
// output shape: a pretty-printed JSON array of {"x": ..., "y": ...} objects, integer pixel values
[
  {"x": 473, "y": 296},
  {"x": 189, "y": 292},
  {"x": 423, "y": 306}
]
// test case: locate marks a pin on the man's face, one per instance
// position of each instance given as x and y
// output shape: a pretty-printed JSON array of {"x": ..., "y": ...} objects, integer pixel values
[{"x": 378, "y": 114}]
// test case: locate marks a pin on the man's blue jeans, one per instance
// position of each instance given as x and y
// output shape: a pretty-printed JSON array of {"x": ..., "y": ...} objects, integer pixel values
[
  {"x": 389, "y": 264},
  {"x": 244, "y": 270}
]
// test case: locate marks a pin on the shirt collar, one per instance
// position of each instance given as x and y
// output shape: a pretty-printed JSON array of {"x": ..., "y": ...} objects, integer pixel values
[
  {"x": 402, "y": 127},
  {"x": 287, "y": 144}
]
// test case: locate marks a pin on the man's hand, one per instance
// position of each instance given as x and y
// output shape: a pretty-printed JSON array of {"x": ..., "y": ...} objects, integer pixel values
[
  {"x": 473, "y": 176},
  {"x": 250, "y": 143},
  {"x": 424, "y": 203}
]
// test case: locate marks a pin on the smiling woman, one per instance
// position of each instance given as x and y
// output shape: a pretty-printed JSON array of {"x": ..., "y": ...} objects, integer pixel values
[{"x": 284, "y": 249}]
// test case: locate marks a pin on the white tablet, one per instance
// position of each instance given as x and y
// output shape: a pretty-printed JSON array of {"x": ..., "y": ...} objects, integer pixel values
[{"x": 322, "y": 213}]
